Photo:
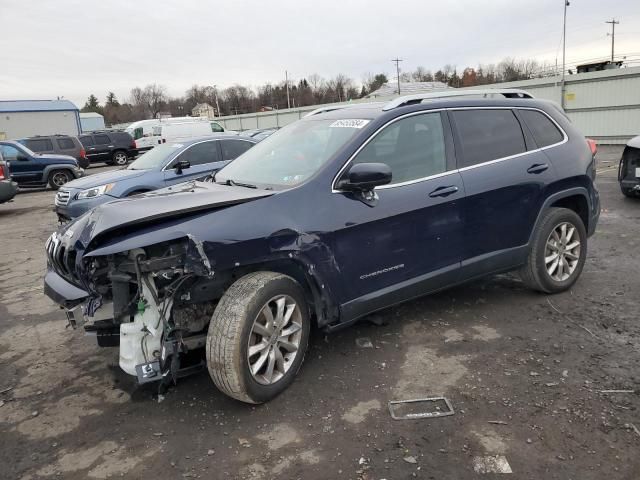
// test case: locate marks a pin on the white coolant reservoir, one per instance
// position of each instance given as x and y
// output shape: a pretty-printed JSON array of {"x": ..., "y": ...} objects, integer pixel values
[{"x": 140, "y": 339}]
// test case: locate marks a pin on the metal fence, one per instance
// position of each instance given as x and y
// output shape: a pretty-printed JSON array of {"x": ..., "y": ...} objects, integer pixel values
[{"x": 603, "y": 105}]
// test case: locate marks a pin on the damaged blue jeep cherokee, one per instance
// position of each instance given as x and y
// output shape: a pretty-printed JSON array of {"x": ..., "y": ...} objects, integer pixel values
[{"x": 345, "y": 212}]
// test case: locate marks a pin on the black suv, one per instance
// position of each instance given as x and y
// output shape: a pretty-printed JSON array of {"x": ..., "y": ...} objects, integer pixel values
[
  {"x": 331, "y": 218},
  {"x": 109, "y": 147},
  {"x": 58, "y": 144}
]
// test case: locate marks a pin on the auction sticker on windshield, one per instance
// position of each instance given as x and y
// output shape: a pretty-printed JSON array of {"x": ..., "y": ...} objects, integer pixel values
[{"x": 349, "y": 123}]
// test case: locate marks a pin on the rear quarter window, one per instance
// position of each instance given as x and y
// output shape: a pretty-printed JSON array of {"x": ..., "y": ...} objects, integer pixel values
[
  {"x": 65, "y": 143},
  {"x": 486, "y": 135},
  {"x": 102, "y": 139},
  {"x": 544, "y": 131}
]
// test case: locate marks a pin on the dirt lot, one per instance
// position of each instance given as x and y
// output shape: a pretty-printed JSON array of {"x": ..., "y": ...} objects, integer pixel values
[{"x": 536, "y": 365}]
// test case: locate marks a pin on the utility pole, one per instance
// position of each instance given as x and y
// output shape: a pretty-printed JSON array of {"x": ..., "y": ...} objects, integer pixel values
[
  {"x": 397, "y": 62},
  {"x": 564, "y": 51},
  {"x": 286, "y": 81},
  {"x": 613, "y": 23}
]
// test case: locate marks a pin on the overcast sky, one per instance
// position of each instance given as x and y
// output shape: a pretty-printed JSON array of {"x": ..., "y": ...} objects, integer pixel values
[{"x": 75, "y": 48}]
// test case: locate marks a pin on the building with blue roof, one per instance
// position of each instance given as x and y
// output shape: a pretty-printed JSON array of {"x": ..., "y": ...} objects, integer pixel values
[{"x": 28, "y": 118}]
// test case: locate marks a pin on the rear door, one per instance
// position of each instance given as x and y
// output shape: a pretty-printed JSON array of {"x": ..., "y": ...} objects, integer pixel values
[
  {"x": 505, "y": 176},
  {"x": 204, "y": 158},
  {"x": 102, "y": 147}
]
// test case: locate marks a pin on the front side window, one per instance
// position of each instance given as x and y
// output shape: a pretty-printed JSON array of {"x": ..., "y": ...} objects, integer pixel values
[
  {"x": 102, "y": 139},
  {"x": 413, "y": 147},
  {"x": 291, "y": 155},
  {"x": 544, "y": 132},
  {"x": 487, "y": 135},
  {"x": 232, "y": 149},
  {"x": 201, "y": 153}
]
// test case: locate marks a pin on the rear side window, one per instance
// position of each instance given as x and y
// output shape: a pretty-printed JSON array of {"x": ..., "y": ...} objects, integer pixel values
[
  {"x": 413, "y": 148},
  {"x": 86, "y": 140},
  {"x": 487, "y": 135},
  {"x": 40, "y": 144},
  {"x": 544, "y": 131},
  {"x": 232, "y": 149},
  {"x": 65, "y": 143},
  {"x": 102, "y": 139}
]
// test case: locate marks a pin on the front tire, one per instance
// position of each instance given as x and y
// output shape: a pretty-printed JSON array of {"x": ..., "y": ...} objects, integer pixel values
[
  {"x": 258, "y": 336},
  {"x": 558, "y": 252},
  {"x": 120, "y": 158},
  {"x": 58, "y": 178}
]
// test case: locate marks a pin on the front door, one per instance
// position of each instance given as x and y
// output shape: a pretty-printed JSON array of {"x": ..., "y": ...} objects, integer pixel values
[
  {"x": 24, "y": 169},
  {"x": 410, "y": 241}
]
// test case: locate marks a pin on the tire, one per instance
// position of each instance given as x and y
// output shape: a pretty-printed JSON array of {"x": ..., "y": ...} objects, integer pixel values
[
  {"x": 119, "y": 157},
  {"x": 627, "y": 192},
  {"x": 232, "y": 331},
  {"x": 58, "y": 178},
  {"x": 535, "y": 273}
]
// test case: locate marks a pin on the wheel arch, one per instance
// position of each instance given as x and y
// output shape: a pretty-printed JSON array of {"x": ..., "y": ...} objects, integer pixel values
[{"x": 576, "y": 199}]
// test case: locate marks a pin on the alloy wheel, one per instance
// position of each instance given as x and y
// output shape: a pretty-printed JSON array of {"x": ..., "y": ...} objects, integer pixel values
[
  {"x": 274, "y": 340},
  {"x": 562, "y": 251},
  {"x": 59, "y": 179},
  {"x": 120, "y": 158}
]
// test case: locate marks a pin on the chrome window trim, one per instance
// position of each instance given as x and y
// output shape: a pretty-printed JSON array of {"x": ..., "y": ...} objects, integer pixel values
[{"x": 564, "y": 140}]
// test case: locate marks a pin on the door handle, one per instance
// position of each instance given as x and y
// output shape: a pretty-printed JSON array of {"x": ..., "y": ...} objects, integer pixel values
[
  {"x": 537, "y": 168},
  {"x": 444, "y": 191}
]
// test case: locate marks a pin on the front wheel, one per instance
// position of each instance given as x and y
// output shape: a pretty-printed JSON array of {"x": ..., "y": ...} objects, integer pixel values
[
  {"x": 58, "y": 178},
  {"x": 258, "y": 336},
  {"x": 558, "y": 252},
  {"x": 120, "y": 158}
]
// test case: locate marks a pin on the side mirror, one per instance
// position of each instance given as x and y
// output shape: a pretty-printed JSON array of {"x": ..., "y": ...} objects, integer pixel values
[
  {"x": 364, "y": 177},
  {"x": 181, "y": 165}
]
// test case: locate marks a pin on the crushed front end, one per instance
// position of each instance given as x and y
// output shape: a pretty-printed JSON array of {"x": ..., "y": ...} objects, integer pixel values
[{"x": 152, "y": 302}]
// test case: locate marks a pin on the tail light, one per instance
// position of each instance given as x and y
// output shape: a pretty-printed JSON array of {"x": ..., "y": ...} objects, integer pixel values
[
  {"x": 134, "y": 145},
  {"x": 83, "y": 153},
  {"x": 593, "y": 146},
  {"x": 3, "y": 174}
]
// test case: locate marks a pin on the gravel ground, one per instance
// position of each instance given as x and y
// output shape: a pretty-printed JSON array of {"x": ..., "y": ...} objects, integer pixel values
[{"x": 526, "y": 374}]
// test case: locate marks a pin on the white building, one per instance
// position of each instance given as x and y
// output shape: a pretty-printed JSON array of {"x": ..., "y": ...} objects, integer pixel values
[
  {"x": 203, "y": 110},
  {"x": 91, "y": 121},
  {"x": 26, "y": 118}
]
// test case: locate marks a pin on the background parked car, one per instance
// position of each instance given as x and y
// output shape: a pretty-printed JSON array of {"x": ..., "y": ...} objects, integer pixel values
[
  {"x": 8, "y": 188},
  {"x": 178, "y": 131},
  {"x": 60, "y": 144},
  {"x": 259, "y": 134},
  {"x": 142, "y": 130},
  {"x": 629, "y": 170},
  {"x": 32, "y": 169},
  {"x": 165, "y": 165},
  {"x": 109, "y": 147}
]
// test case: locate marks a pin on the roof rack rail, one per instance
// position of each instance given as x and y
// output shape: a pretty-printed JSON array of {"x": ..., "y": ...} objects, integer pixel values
[
  {"x": 486, "y": 92},
  {"x": 326, "y": 109}
]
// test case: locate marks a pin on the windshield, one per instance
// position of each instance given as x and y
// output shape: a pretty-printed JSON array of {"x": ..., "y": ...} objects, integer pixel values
[
  {"x": 157, "y": 157},
  {"x": 291, "y": 155}
]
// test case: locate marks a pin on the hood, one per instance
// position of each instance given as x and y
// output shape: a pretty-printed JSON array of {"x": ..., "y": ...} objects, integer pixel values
[
  {"x": 57, "y": 158},
  {"x": 171, "y": 202},
  {"x": 104, "y": 177}
]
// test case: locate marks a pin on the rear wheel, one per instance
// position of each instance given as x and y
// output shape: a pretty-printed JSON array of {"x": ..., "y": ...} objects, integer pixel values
[
  {"x": 258, "y": 336},
  {"x": 58, "y": 178},
  {"x": 558, "y": 252},
  {"x": 119, "y": 157}
]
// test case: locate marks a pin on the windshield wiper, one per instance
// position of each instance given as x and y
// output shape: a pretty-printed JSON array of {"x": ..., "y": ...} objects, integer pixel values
[{"x": 233, "y": 183}]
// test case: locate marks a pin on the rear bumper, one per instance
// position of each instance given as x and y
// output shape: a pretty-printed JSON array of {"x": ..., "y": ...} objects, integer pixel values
[
  {"x": 630, "y": 183},
  {"x": 62, "y": 292},
  {"x": 8, "y": 190}
]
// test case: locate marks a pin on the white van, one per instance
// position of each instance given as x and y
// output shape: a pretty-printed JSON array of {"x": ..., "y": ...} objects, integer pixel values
[
  {"x": 142, "y": 131},
  {"x": 177, "y": 131}
]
